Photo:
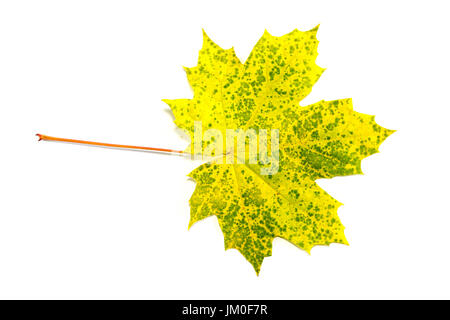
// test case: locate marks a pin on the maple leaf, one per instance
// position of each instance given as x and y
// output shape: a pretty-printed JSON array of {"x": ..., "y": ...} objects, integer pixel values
[{"x": 322, "y": 140}]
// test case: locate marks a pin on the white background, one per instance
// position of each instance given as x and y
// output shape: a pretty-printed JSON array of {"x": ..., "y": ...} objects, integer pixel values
[{"x": 80, "y": 222}]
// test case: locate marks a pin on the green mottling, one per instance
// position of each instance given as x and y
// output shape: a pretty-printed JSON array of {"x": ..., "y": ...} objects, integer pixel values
[{"x": 322, "y": 140}]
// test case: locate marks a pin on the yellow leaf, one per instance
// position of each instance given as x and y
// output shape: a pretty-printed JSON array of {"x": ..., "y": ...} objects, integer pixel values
[{"x": 322, "y": 140}]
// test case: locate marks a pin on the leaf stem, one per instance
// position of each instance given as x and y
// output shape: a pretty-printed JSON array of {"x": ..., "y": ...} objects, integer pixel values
[{"x": 109, "y": 145}]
